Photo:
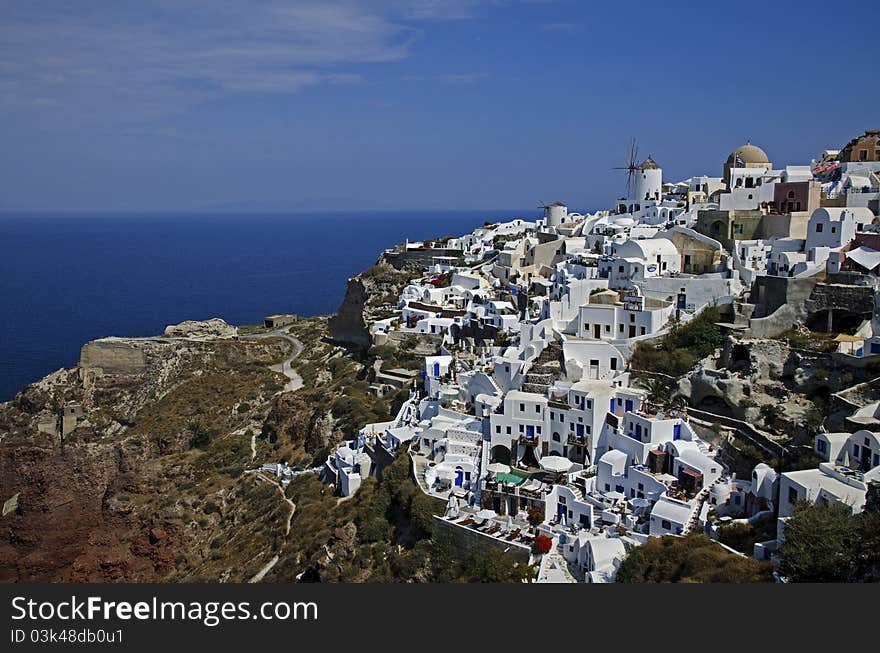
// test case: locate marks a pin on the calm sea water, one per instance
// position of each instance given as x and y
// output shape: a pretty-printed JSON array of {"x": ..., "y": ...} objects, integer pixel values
[{"x": 67, "y": 280}]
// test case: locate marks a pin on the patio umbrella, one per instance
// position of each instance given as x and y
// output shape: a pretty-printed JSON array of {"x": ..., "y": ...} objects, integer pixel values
[
  {"x": 556, "y": 464},
  {"x": 485, "y": 513},
  {"x": 498, "y": 468}
]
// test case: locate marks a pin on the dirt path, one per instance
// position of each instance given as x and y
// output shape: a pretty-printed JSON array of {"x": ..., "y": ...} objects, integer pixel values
[
  {"x": 285, "y": 367},
  {"x": 286, "y": 500},
  {"x": 265, "y": 570}
]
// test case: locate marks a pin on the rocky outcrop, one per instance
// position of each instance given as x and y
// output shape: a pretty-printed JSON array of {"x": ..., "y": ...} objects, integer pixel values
[
  {"x": 297, "y": 419},
  {"x": 348, "y": 325},
  {"x": 767, "y": 383},
  {"x": 126, "y": 373},
  {"x": 201, "y": 329},
  {"x": 366, "y": 296},
  {"x": 339, "y": 550},
  {"x": 112, "y": 500},
  {"x": 113, "y": 356}
]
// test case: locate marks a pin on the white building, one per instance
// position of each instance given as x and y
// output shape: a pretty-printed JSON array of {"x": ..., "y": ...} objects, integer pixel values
[
  {"x": 633, "y": 317},
  {"x": 830, "y": 229}
]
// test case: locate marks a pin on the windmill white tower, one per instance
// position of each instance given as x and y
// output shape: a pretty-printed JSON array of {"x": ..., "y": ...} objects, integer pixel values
[
  {"x": 644, "y": 181},
  {"x": 647, "y": 182},
  {"x": 555, "y": 214}
]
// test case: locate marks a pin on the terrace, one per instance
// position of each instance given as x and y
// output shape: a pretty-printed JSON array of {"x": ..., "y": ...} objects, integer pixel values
[
  {"x": 509, "y": 530},
  {"x": 577, "y": 440}
]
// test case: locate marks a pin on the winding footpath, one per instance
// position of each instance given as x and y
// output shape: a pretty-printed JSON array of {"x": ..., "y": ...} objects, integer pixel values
[
  {"x": 294, "y": 382},
  {"x": 285, "y": 367}
]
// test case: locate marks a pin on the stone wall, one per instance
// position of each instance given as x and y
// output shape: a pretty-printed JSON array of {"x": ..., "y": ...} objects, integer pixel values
[
  {"x": 467, "y": 540},
  {"x": 418, "y": 258},
  {"x": 770, "y": 292},
  {"x": 855, "y": 299},
  {"x": 781, "y": 320}
]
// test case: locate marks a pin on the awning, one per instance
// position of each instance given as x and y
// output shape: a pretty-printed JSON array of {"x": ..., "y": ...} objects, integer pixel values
[
  {"x": 865, "y": 256},
  {"x": 556, "y": 464}
]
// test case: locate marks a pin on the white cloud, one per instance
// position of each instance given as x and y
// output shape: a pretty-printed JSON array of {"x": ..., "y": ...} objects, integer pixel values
[
  {"x": 113, "y": 62},
  {"x": 146, "y": 59}
]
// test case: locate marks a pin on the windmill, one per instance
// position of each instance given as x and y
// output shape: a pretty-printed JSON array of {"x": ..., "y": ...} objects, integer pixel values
[
  {"x": 542, "y": 207},
  {"x": 631, "y": 167}
]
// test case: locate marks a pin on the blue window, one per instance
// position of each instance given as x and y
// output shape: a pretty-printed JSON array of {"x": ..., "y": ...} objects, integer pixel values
[{"x": 821, "y": 446}]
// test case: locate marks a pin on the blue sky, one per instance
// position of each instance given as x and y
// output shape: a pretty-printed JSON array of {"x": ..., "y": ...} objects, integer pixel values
[{"x": 179, "y": 105}]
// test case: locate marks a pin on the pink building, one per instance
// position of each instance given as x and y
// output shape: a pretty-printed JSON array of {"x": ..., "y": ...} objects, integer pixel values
[{"x": 794, "y": 196}]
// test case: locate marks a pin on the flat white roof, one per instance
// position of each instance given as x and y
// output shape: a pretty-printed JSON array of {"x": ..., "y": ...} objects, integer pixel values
[
  {"x": 816, "y": 479},
  {"x": 526, "y": 396},
  {"x": 672, "y": 510}
]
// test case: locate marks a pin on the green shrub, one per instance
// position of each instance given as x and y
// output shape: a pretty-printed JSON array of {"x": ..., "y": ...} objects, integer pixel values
[
  {"x": 691, "y": 559},
  {"x": 676, "y": 353}
]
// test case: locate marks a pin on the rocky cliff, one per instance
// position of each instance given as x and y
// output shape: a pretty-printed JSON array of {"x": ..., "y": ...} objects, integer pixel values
[
  {"x": 348, "y": 325},
  {"x": 368, "y": 297},
  {"x": 139, "y": 473}
]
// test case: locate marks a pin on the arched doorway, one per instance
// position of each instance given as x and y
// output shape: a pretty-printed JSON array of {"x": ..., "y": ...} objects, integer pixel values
[{"x": 500, "y": 454}]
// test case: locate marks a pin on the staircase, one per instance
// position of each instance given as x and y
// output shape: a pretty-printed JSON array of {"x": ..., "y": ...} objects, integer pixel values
[
  {"x": 576, "y": 491},
  {"x": 701, "y": 497},
  {"x": 555, "y": 562},
  {"x": 545, "y": 369},
  {"x": 742, "y": 312}
]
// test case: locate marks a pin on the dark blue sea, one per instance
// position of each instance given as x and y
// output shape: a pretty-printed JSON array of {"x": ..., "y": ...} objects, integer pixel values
[{"x": 65, "y": 280}]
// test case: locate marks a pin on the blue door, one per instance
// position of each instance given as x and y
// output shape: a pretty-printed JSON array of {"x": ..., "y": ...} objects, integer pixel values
[
  {"x": 676, "y": 432},
  {"x": 530, "y": 431},
  {"x": 436, "y": 370},
  {"x": 629, "y": 405},
  {"x": 612, "y": 406},
  {"x": 459, "y": 477}
]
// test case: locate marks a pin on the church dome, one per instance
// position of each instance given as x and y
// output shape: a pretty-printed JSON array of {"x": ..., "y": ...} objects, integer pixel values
[
  {"x": 745, "y": 156},
  {"x": 750, "y": 155}
]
